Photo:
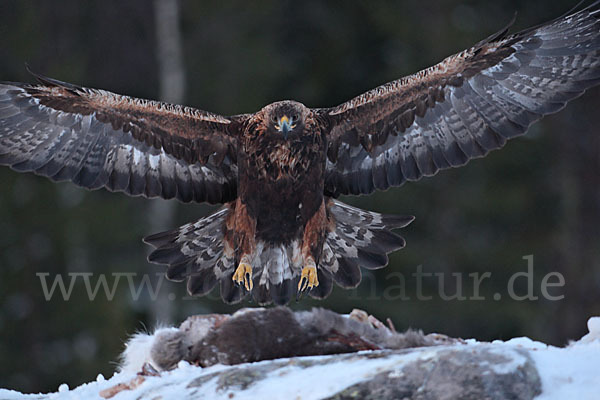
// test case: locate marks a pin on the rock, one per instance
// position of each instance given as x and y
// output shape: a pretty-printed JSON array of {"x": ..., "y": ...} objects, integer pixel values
[
  {"x": 454, "y": 373},
  {"x": 480, "y": 371}
]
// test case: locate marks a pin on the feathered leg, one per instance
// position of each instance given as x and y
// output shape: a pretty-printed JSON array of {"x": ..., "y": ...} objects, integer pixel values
[
  {"x": 313, "y": 238},
  {"x": 244, "y": 231}
]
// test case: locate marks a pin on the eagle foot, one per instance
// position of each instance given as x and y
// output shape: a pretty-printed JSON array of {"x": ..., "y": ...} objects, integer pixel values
[
  {"x": 243, "y": 276},
  {"x": 308, "y": 278}
]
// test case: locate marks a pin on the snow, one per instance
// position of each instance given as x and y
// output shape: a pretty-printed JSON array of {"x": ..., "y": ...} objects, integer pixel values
[
  {"x": 525, "y": 343},
  {"x": 63, "y": 388},
  {"x": 319, "y": 381},
  {"x": 566, "y": 373},
  {"x": 517, "y": 361},
  {"x": 594, "y": 329},
  {"x": 290, "y": 382},
  {"x": 576, "y": 376}
]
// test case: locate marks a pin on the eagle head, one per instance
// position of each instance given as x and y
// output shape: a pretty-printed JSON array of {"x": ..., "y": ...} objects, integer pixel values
[{"x": 286, "y": 117}]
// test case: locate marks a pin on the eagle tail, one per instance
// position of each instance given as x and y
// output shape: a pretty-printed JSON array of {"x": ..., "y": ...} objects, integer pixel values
[
  {"x": 360, "y": 239},
  {"x": 195, "y": 252}
]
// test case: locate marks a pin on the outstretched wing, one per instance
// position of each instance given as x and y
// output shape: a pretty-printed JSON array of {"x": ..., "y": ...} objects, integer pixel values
[
  {"x": 463, "y": 107},
  {"x": 96, "y": 138}
]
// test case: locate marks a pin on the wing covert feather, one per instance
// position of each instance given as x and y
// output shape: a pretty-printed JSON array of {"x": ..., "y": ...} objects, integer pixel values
[
  {"x": 96, "y": 139},
  {"x": 462, "y": 108}
]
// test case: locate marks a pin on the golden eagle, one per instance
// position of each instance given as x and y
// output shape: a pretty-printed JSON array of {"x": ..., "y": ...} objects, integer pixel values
[{"x": 278, "y": 171}]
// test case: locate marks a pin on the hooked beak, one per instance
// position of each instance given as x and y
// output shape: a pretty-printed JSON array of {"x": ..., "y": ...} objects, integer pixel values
[{"x": 285, "y": 126}]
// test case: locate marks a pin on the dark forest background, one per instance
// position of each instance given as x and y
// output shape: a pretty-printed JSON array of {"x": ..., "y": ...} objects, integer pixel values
[{"x": 539, "y": 196}]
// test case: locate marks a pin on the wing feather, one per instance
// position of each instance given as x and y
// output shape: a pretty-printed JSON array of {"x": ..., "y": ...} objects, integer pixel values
[
  {"x": 100, "y": 139},
  {"x": 462, "y": 108}
]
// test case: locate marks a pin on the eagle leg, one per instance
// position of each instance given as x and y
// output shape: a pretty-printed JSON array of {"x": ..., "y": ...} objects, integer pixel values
[
  {"x": 244, "y": 231},
  {"x": 243, "y": 274},
  {"x": 312, "y": 246},
  {"x": 308, "y": 277}
]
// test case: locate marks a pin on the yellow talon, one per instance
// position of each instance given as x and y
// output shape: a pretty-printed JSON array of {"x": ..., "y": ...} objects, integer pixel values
[
  {"x": 308, "y": 278},
  {"x": 243, "y": 276}
]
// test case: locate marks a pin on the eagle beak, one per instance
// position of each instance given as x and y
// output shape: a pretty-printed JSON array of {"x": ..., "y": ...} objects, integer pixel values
[{"x": 285, "y": 126}]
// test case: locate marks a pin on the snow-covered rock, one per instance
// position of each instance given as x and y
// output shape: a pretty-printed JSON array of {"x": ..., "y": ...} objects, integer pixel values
[{"x": 517, "y": 369}]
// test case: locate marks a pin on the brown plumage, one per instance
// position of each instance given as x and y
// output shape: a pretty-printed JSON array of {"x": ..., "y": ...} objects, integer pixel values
[{"x": 278, "y": 171}]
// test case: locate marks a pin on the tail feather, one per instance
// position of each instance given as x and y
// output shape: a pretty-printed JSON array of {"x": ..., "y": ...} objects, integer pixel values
[
  {"x": 325, "y": 285},
  {"x": 162, "y": 238},
  {"x": 355, "y": 216},
  {"x": 201, "y": 283},
  {"x": 261, "y": 293},
  {"x": 348, "y": 274},
  {"x": 360, "y": 239},
  {"x": 196, "y": 252},
  {"x": 178, "y": 272},
  {"x": 371, "y": 260},
  {"x": 197, "y": 245},
  {"x": 387, "y": 241},
  {"x": 276, "y": 280},
  {"x": 169, "y": 254},
  {"x": 230, "y": 292},
  {"x": 392, "y": 221},
  {"x": 281, "y": 293}
]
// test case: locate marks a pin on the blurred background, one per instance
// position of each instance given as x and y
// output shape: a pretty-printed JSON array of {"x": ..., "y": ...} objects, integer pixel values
[{"x": 539, "y": 196}]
